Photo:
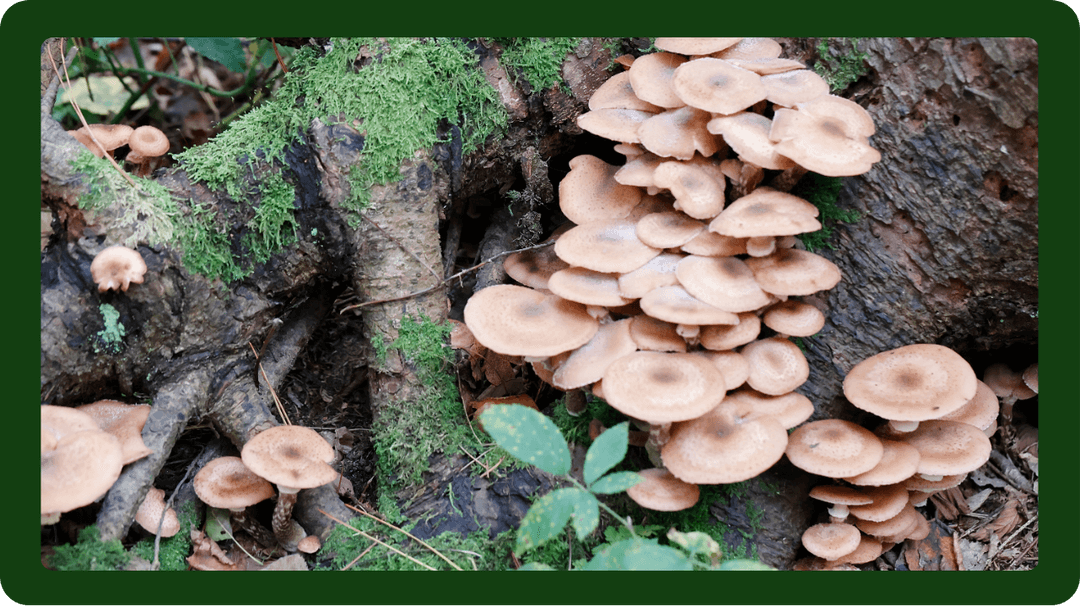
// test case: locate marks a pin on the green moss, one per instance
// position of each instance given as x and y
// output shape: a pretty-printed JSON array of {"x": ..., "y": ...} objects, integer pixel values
[
  {"x": 273, "y": 228},
  {"x": 90, "y": 553},
  {"x": 575, "y": 429},
  {"x": 474, "y": 551},
  {"x": 206, "y": 247},
  {"x": 410, "y": 432},
  {"x": 539, "y": 60},
  {"x": 822, "y": 192},
  {"x": 407, "y": 87},
  {"x": 147, "y": 211},
  {"x": 111, "y": 337},
  {"x": 842, "y": 70},
  {"x": 173, "y": 551}
]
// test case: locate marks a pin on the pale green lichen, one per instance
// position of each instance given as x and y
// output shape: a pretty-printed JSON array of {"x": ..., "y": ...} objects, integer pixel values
[{"x": 111, "y": 338}]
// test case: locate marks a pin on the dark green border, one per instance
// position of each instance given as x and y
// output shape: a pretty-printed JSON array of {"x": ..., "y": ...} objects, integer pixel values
[{"x": 1052, "y": 24}]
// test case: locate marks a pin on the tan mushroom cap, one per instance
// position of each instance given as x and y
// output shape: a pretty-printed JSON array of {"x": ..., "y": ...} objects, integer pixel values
[
  {"x": 678, "y": 133},
  {"x": 309, "y": 544},
  {"x": 918, "y": 483},
  {"x": 717, "y": 86},
  {"x": 587, "y": 363},
  {"x": 590, "y": 193},
  {"x": 752, "y": 48},
  {"x": 694, "y": 46},
  {"x": 534, "y": 268},
  {"x": 898, "y": 462},
  {"x": 827, "y": 135},
  {"x": 724, "y": 282},
  {"x": 1006, "y": 383},
  {"x": 896, "y": 524},
  {"x": 698, "y": 193},
  {"x": 794, "y": 272},
  {"x": 981, "y": 411},
  {"x": 911, "y": 383},
  {"x": 650, "y": 333},
  {"x": 731, "y": 364},
  {"x": 659, "y": 490},
  {"x": 748, "y": 135},
  {"x": 587, "y": 287},
  {"x": 605, "y": 246},
  {"x": 727, "y": 337},
  {"x": 767, "y": 212},
  {"x": 227, "y": 483},
  {"x": 840, "y": 495},
  {"x": 293, "y": 457},
  {"x": 831, "y": 541},
  {"x": 777, "y": 365},
  {"x": 790, "y": 88},
  {"x": 767, "y": 65},
  {"x": 868, "y": 550},
  {"x": 794, "y": 318},
  {"x": 58, "y": 421},
  {"x": 657, "y": 272},
  {"x": 726, "y": 445},
  {"x": 638, "y": 171},
  {"x": 149, "y": 141},
  {"x": 651, "y": 78},
  {"x": 663, "y": 387},
  {"x": 948, "y": 448},
  {"x": 712, "y": 245},
  {"x": 125, "y": 422},
  {"x": 617, "y": 93},
  {"x": 834, "y": 448},
  {"x": 614, "y": 124},
  {"x": 514, "y": 320},
  {"x": 668, "y": 229},
  {"x": 886, "y": 502},
  {"x": 675, "y": 305},
  {"x": 789, "y": 409},
  {"x": 109, "y": 136},
  {"x": 79, "y": 470},
  {"x": 1031, "y": 377},
  {"x": 116, "y": 267},
  {"x": 149, "y": 514}
]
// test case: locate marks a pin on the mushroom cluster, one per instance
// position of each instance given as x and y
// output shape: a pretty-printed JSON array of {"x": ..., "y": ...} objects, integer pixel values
[
  {"x": 654, "y": 296},
  {"x": 146, "y": 143},
  {"x": 939, "y": 418},
  {"x": 83, "y": 450}
]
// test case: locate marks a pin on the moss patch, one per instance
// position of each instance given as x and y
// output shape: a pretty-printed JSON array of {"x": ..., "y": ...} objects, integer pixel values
[
  {"x": 822, "y": 192},
  {"x": 90, "y": 553},
  {"x": 147, "y": 210},
  {"x": 474, "y": 551},
  {"x": 538, "y": 60},
  {"x": 840, "y": 70}
]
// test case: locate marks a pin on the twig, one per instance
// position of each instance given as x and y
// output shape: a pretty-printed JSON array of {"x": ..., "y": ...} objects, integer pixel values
[
  {"x": 385, "y": 523},
  {"x": 161, "y": 522},
  {"x": 357, "y": 558},
  {"x": 444, "y": 281},
  {"x": 273, "y": 393},
  {"x": 280, "y": 61},
  {"x": 372, "y": 538}
]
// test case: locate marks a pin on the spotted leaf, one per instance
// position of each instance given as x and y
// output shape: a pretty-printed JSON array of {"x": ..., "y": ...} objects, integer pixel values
[
  {"x": 607, "y": 451},
  {"x": 529, "y": 435}
]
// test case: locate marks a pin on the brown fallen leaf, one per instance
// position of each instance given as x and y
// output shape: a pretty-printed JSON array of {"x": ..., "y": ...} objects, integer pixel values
[
  {"x": 1005, "y": 522},
  {"x": 207, "y": 555},
  {"x": 935, "y": 552},
  {"x": 950, "y": 503},
  {"x": 480, "y": 406}
]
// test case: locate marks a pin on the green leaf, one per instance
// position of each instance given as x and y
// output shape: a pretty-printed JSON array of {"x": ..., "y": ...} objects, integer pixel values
[
  {"x": 616, "y": 482},
  {"x": 535, "y": 566},
  {"x": 639, "y": 554},
  {"x": 218, "y": 523},
  {"x": 226, "y": 51},
  {"x": 607, "y": 451},
  {"x": 695, "y": 542},
  {"x": 548, "y": 516},
  {"x": 586, "y": 513},
  {"x": 529, "y": 435},
  {"x": 105, "y": 40},
  {"x": 743, "y": 564}
]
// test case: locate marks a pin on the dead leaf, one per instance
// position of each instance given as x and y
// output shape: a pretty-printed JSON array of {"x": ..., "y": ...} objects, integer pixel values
[
  {"x": 207, "y": 555},
  {"x": 950, "y": 503},
  {"x": 479, "y": 406},
  {"x": 935, "y": 552},
  {"x": 1005, "y": 522},
  {"x": 294, "y": 561}
]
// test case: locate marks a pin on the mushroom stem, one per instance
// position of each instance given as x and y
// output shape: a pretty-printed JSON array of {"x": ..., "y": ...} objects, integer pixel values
[
  {"x": 283, "y": 512},
  {"x": 904, "y": 426},
  {"x": 576, "y": 403},
  {"x": 242, "y": 521},
  {"x": 840, "y": 512},
  {"x": 787, "y": 180}
]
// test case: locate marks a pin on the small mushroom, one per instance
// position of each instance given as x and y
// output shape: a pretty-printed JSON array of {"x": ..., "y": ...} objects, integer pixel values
[
  {"x": 831, "y": 541},
  {"x": 117, "y": 267},
  {"x": 834, "y": 448},
  {"x": 149, "y": 515},
  {"x": 659, "y": 490},
  {"x": 227, "y": 483}
]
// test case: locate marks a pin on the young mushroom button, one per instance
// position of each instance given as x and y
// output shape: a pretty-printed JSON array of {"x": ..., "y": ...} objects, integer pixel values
[{"x": 117, "y": 267}]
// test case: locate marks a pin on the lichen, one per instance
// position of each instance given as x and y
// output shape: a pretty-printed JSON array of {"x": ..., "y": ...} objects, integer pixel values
[{"x": 111, "y": 338}]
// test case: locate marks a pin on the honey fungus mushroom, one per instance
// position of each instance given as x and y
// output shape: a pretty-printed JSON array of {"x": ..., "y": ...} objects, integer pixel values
[
  {"x": 514, "y": 320},
  {"x": 117, "y": 267}
]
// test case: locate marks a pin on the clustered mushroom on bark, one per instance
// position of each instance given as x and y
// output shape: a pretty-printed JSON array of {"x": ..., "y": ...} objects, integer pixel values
[
  {"x": 654, "y": 296},
  {"x": 938, "y": 421}
]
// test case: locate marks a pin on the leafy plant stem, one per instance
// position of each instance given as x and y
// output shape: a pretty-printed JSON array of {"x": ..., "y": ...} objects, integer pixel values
[
  {"x": 199, "y": 87},
  {"x": 619, "y": 518}
]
